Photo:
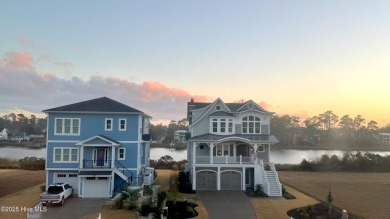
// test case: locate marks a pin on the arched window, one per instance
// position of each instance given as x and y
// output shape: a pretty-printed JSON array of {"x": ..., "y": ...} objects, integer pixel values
[{"x": 251, "y": 125}]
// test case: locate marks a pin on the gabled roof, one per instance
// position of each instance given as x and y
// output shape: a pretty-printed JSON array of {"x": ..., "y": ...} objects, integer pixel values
[
  {"x": 233, "y": 107},
  {"x": 102, "y": 138},
  {"x": 102, "y": 104}
]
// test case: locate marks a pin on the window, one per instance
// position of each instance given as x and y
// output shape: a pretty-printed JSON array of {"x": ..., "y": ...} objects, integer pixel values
[
  {"x": 108, "y": 125},
  {"x": 67, "y": 126},
  {"x": 230, "y": 125},
  {"x": 72, "y": 175},
  {"x": 215, "y": 125},
  {"x": 222, "y": 126},
  {"x": 102, "y": 178},
  {"x": 61, "y": 175},
  {"x": 122, "y": 124},
  {"x": 224, "y": 150},
  {"x": 91, "y": 178},
  {"x": 218, "y": 107},
  {"x": 260, "y": 148},
  {"x": 66, "y": 155},
  {"x": 121, "y": 153},
  {"x": 251, "y": 125}
]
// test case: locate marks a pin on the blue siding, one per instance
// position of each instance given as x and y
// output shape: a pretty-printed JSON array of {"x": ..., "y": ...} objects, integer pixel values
[
  {"x": 130, "y": 155},
  {"x": 93, "y": 124},
  {"x": 50, "y": 155},
  {"x": 50, "y": 178}
]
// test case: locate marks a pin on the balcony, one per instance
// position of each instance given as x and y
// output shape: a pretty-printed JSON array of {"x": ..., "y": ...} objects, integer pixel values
[
  {"x": 97, "y": 164},
  {"x": 224, "y": 160}
]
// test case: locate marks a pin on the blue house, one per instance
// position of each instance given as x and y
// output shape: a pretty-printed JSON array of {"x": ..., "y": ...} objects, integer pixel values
[{"x": 99, "y": 147}]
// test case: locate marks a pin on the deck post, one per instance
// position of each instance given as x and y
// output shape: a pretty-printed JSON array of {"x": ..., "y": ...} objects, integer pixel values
[{"x": 240, "y": 159}]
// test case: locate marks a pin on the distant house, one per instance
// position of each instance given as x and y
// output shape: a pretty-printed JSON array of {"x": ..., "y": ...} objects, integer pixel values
[
  {"x": 229, "y": 147},
  {"x": 4, "y": 134},
  {"x": 384, "y": 138},
  {"x": 99, "y": 147},
  {"x": 180, "y": 135}
]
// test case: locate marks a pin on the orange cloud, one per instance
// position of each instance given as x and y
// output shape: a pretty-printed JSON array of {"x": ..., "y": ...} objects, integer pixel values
[
  {"x": 46, "y": 76},
  {"x": 265, "y": 105},
  {"x": 16, "y": 61}
]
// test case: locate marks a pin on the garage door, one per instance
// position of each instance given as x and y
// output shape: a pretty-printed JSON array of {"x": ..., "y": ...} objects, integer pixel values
[
  {"x": 206, "y": 180},
  {"x": 231, "y": 180},
  {"x": 96, "y": 187},
  {"x": 70, "y": 178}
]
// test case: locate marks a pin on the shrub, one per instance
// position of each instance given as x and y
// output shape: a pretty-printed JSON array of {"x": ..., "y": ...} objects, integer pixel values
[
  {"x": 43, "y": 187},
  {"x": 148, "y": 190},
  {"x": 32, "y": 163},
  {"x": 133, "y": 198},
  {"x": 283, "y": 190},
  {"x": 258, "y": 188},
  {"x": 146, "y": 207}
]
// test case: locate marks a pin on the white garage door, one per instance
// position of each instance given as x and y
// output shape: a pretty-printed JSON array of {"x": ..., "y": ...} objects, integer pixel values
[
  {"x": 96, "y": 187},
  {"x": 70, "y": 178}
]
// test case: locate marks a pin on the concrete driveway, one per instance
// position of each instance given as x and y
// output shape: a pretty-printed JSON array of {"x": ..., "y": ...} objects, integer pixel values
[
  {"x": 73, "y": 208},
  {"x": 227, "y": 204}
]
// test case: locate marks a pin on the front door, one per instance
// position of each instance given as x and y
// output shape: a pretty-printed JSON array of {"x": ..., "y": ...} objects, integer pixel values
[{"x": 100, "y": 155}]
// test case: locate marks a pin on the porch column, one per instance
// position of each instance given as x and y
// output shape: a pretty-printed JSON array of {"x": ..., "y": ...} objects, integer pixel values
[
  {"x": 219, "y": 179},
  {"x": 81, "y": 157},
  {"x": 254, "y": 156},
  {"x": 211, "y": 145},
  {"x": 193, "y": 178},
  {"x": 194, "y": 152},
  {"x": 243, "y": 179},
  {"x": 234, "y": 150},
  {"x": 112, "y": 156}
]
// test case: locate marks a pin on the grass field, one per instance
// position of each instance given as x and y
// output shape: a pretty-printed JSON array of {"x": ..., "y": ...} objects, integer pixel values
[
  {"x": 12, "y": 181},
  {"x": 363, "y": 194},
  {"x": 19, "y": 188}
]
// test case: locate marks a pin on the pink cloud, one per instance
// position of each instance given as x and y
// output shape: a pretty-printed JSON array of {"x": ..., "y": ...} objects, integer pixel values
[
  {"x": 265, "y": 105},
  {"x": 19, "y": 61}
]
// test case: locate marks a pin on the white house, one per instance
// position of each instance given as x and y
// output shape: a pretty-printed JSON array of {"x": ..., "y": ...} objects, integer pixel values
[
  {"x": 229, "y": 147},
  {"x": 179, "y": 135},
  {"x": 4, "y": 134}
]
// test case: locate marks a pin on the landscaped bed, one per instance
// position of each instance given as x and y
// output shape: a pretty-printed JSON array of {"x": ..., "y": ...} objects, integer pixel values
[{"x": 320, "y": 210}]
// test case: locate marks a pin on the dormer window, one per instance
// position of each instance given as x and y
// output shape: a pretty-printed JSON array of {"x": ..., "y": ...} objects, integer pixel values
[{"x": 251, "y": 125}]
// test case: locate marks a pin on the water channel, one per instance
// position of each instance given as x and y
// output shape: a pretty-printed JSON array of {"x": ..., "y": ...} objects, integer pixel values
[{"x": 282, "y": 156}]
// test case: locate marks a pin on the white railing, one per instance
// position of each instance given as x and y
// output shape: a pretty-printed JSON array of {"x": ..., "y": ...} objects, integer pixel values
[
  {"x": 224, "y": 160},
  {"x": 264, "y": 177},
  {"x": 273, "y": 169}
]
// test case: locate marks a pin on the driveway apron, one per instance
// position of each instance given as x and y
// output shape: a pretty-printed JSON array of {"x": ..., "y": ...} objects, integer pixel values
[
  {"x": 73, "y": 208},
  {"x": 227, "y": 204}
]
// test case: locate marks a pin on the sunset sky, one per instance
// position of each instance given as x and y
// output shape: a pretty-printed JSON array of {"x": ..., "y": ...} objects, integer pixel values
[{"x": 294, "y": 57}]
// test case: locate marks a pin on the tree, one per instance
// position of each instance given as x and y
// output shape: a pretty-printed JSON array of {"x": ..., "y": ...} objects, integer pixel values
[
  {"x": 329, "y": 199},
  {"x": 372, "y": 126}
]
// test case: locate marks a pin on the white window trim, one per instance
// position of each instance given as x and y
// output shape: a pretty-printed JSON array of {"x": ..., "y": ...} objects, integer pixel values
[
  {"x": 226, "y": 132},
  {"x": 62, "y": 155},
  {"x": 63, "y": 126},
  {"x": 106, "y": 156},
  {"x": 105, "y": 124},
  {"x": 119, "y": 125},
  {"x": 254, "y": 125},
  {"x": 124, "y": 154}
]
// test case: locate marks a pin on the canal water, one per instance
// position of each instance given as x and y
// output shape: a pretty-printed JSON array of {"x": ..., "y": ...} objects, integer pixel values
[{"x": 281, "y": 156}]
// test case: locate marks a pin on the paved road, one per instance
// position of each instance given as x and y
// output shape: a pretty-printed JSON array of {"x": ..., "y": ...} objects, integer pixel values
[
  {"x": 73, "y": 208},
  {"x": 227, "y": 204}
]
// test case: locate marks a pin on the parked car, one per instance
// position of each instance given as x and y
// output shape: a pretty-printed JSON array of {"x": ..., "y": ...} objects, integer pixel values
[{"x": 56, "y": 194}]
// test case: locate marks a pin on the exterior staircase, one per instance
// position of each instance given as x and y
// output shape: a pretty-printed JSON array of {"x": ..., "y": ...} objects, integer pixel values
[{"x": 274, "y": 185}]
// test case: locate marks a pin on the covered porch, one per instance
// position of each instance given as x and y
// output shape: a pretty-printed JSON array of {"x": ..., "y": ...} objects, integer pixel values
[
  {"x": 238, "y": 149},
  {"x": 98, "y": 152}
]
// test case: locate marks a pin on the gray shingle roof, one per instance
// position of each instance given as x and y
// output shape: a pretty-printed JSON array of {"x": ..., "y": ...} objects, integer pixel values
[
  {"x": 102, "y": 104},
  {"x": 222, "y": 113},
  {"x": 250, "y": 137},
  {"x": 95, "y": 173}
]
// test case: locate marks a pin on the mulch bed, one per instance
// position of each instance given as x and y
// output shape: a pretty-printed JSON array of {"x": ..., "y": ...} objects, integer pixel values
[
  {"x": 287, "y": 195},
  {"x": 320, "y": 210}
]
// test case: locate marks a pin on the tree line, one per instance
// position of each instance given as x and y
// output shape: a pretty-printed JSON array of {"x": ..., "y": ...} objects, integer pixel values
[
  {"x": 20, "y": 123},
  {"x": 326, "y": 128}
]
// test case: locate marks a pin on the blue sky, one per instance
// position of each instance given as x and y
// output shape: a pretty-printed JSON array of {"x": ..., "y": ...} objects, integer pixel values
[{"x": 295, "y": 57}]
